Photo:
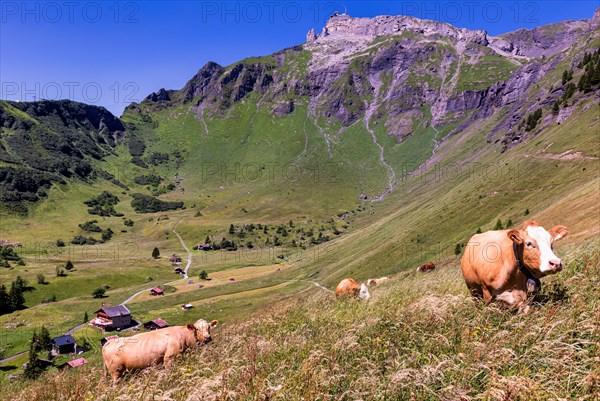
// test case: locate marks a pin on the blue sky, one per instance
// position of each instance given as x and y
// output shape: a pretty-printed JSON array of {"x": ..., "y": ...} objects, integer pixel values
[{"x": 111, "y": 53}]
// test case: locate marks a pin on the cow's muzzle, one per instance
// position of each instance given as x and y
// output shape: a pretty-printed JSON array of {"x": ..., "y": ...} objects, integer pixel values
[{"x": 555, "y": 265}]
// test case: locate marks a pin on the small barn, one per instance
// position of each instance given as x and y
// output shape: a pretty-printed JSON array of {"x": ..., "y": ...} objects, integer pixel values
[
  {"x": 112, "y": 318},
  {"x": 75, "y": 363},
  {"x": 155, "y": 324},
  {"x": 63, "y": 345},
  {"x": 156, "y": 291},
  {"x": 176, "y": 260}
]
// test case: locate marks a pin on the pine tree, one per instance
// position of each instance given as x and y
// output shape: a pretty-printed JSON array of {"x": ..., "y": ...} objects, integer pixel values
[
  {"x": 478, "y": 231},
  {"x": 555, "y": 107},
  {"x": 85, "y": 317},
  {"x": 34, "y": 368},
  {"x": 509, "y": 223},
  {"x": 5, "y": 306},
  {"x": 44, "y": 339},
  {"x": 207, "y": 240},
  {"x": 565, "y": 76},
  {"x": 231, "y": 229},
  {"x": 69, "y": 265},
  {"x": 155, "y": 253},
  {"x": 595, "y": 75},
  {"x": 499, "y": 225},
  {"x": 585, "y": 85},
  {"x": 17, "y": 300}
]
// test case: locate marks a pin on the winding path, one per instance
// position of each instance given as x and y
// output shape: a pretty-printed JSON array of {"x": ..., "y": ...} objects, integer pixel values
[
  {"x": 189, "y": 254},
  {"x": 185, "y": 271}
]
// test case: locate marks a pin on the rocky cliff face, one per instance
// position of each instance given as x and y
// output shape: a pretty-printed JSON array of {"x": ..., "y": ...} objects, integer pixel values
[{"x": 391, "y": 67}]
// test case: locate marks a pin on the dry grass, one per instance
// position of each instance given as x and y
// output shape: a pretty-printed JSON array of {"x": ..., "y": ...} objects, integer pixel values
[{"x": 420, "y": 337}]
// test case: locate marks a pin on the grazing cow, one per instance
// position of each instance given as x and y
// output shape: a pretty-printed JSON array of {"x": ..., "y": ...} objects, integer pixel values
[
  {"x": 350, "y": 287},
  {"x": 375, "y": 281},
  {"x": 155, "y": 347},
  {"x": 426, "y": 267},
  {"x": 505, "y": 264}
]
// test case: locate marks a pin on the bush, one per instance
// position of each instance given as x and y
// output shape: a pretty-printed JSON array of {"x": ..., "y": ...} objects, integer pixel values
[
  {"x": 103, "y": 205},
  {"x": 41, "y": 279},
  {"x": 107, "y": 234},
  {"x": 69, "y": 265},
  {"x": 203, "y": 275},
  {"x": 128, "y": 223},
  {"x": 90, "y": 226},
  {"x": 150, "y": 179},
  {"x": 98, "y": 292},
  {"x": 60, "y": 243},
  {"x": 149, "y": 204}
]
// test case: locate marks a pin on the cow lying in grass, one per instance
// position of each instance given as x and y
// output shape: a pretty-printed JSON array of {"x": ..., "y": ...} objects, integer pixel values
[
  {"x": 505, "y": 264},
  {"x": 427, "y": 267},
  {"x": 147, "y": 349},
  {"x": 376, "y": 281},
  {"x": 350, "y": 287}
]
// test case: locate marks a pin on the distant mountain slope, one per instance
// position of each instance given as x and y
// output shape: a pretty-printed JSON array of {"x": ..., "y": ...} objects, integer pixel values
[
  {"x": 376, "y": 96},
  {"x": 50, "y": 141}
]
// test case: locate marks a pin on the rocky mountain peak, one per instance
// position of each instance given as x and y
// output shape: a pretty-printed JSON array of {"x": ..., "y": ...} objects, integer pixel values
[{"x": 342, "y": 26}]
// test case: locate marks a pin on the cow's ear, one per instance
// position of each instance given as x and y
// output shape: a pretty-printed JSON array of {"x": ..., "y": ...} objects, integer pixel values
[
  {"x": 213, "y": 323},
  {"x": 191, "y": 327},
  {"x": 558, "y": 232},
  {"x": 515, "y": 236}
]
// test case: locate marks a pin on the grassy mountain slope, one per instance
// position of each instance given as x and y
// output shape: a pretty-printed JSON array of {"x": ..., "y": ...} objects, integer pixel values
[{"x": 420, "y": 337}]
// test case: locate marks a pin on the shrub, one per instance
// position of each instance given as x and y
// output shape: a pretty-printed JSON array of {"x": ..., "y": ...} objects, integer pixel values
[
  {"x": 41, "y": 279},
  {"x": 107, "y": 234},
  {"x": 149, "y": 179},
  {"x": 60, "y": 243},
  {"x": 149, "y": 204},
  {"x": 90, "y": 226},
  {"x": 203, "y": 275},
  {"x": 98, "y": 292}
]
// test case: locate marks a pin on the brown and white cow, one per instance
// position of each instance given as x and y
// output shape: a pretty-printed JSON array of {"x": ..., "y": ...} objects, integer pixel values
[
  {"x": 490, "y": 264},
  {"x": 427, "y": 267},
  {"x": 376, "y": 281},
  {"x": 147, "y": 349},
  {"x": 349, "y": 287}
]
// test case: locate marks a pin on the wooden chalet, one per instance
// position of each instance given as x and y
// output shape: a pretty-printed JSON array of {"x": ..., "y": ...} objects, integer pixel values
[{"x": 112, "y": 318}]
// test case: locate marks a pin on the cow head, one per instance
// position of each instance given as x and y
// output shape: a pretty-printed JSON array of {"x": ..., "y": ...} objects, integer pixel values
[
  {"x": 364, "y": 292},
  {"x": 535, "y": 247},
  {"x": 203, "y": 328}
]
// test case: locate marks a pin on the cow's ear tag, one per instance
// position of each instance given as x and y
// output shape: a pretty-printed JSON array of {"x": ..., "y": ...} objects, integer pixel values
[{"x": 531, "y": 285}]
